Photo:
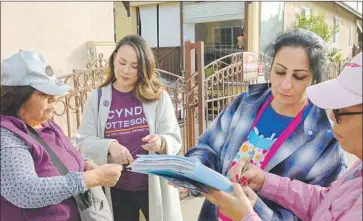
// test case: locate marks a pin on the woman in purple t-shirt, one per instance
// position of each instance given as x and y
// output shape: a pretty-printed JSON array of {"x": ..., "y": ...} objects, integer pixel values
[{"x": 131, "y": 114}]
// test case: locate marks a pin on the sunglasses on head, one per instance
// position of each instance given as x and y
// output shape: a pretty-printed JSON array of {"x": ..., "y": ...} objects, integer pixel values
[{"x": 338, "y": 113}]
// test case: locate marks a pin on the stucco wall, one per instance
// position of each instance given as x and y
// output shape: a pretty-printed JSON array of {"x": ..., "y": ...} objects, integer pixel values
[
  {"x": 58, "y": 30},
  {"x": 124, "y": 25}
]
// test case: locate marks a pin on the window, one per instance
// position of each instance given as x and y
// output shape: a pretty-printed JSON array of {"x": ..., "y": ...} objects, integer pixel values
[
  {"x": 336, "y": 34},
  {"x": 350, "y": 37},
  {"x": 226, "y": 37},
  {"x": 114, "y": 25},
  {"x": 305, "y": 12}
]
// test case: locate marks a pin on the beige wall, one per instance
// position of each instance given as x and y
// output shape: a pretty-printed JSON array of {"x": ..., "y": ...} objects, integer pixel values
[
  {"x": 329, "y": 9},
  {"x": 124, "y": 25},
  {"x": 58, "y": 30}
]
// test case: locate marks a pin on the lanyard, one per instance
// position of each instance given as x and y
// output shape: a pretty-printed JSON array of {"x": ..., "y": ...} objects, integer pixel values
[
  {"x": 280, "y": 140},
  {"x": 283, "y": 136}
]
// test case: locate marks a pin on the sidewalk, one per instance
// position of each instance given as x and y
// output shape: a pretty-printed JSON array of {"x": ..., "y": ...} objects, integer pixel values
[{"x": 191, "y": 208}]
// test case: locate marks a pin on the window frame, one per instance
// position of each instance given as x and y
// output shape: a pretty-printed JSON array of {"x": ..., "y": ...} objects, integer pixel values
[
  {"x": 305, "y": 9},
  {"x": 232, "y": 40},
  {"x": 351, "y": 37},
  {"x": 336, "y": 35}
]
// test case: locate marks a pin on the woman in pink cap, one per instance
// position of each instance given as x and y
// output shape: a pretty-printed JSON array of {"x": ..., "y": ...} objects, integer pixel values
[{"x": 343, "y": 199}]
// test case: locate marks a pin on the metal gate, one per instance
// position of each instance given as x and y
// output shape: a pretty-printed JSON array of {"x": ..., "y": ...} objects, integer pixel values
[{"x": 197, "y": 98}]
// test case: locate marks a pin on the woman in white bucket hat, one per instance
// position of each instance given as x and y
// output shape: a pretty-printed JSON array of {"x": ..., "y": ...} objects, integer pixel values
[{"x": 342, "y": 201}]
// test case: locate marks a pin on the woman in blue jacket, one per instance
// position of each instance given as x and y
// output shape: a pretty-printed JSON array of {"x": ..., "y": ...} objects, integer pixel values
[{"x": 276, "y": 128}]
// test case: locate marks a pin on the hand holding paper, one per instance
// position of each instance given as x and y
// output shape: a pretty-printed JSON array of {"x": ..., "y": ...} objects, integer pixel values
[{"x": 181, "y": 171}]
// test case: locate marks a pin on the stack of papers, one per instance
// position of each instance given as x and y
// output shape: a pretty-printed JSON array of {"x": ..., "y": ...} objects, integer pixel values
[{"x": 181, "y": 171}]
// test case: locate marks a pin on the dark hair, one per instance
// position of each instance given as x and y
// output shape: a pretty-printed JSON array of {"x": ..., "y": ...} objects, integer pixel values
[
  {"x": 148, "y": 86},
  {"x": 314, "y": 46},
  {"x": 13, "y": 97}
]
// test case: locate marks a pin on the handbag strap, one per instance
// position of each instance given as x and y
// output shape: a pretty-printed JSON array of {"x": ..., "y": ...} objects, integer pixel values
[
  {"x": 54, "y": 158},
  {"x": 99, "y": 95},
  {"x": 56, "y": 161}
]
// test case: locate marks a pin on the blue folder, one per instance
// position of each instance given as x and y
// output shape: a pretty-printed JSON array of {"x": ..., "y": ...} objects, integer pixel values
[{"x": 181, "y": 171}]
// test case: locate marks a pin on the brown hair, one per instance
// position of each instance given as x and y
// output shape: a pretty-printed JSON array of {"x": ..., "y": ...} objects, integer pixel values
[
  {"x": 148, "y": 86},
  {"x": 13, "y": 97}
]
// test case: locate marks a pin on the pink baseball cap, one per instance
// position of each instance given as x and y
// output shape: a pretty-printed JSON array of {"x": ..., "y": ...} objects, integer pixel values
[{"x": 343, "y": 91}]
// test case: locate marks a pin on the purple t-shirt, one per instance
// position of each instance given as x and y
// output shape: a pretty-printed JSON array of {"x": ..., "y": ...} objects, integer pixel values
[{"x": 127, "y": 124}]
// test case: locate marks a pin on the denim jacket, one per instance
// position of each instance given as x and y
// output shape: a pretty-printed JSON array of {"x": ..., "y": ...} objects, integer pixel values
[{"x": 311, "y": 154}]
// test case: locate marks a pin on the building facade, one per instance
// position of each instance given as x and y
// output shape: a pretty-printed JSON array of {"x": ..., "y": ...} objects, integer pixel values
[
  {"x": 335, "y": 14},
  {"x": 227, "y": 27},
  {"x": 68, "y": 34}
]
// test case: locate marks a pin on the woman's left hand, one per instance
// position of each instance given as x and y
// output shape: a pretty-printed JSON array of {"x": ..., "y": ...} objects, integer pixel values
[
  {"x": 236, "y": 205},
  {"x": 89, "y": 165},
  {"x": 152, "y": 143}
]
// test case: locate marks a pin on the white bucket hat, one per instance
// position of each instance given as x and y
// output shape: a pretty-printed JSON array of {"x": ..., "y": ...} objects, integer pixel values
[
  {"x": 28, "y": 68},
  {"x": 343, "y": 91}
]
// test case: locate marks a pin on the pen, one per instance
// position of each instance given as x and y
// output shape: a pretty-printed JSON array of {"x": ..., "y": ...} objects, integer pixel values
[{"x": 243, "y": 179}]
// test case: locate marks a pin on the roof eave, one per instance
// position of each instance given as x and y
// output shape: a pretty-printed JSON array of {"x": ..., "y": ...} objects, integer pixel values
[{"x": 350, "y": 9}]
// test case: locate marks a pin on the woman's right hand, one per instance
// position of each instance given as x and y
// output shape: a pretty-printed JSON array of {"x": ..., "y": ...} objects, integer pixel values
[
  {"x": 254, "y": 176},
  {"x": 120, "y": 154},
  {"x": 236, "y": 205},
  {"x": 104, "y": 175}
]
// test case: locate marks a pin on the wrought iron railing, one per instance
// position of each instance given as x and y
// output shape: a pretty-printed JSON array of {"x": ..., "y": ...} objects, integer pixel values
[
  {"x": 227, "y": 77},
  {"x": 214, "y": 52}
]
